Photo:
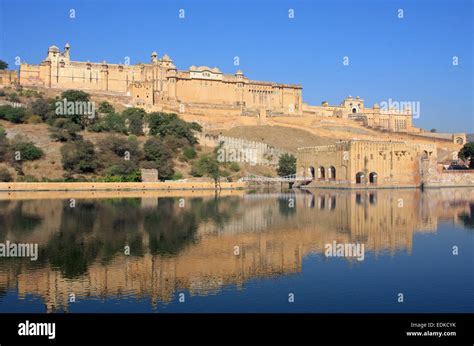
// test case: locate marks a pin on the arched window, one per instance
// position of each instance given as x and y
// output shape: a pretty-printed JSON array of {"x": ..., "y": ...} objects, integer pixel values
[
  {"x": 360, "y": 178},
  {"x": 373, "y": 178},
  {"x": 332, "y": 173},
  {"x": 322, "y": 173},
  {"x": 311, "y": 171}
]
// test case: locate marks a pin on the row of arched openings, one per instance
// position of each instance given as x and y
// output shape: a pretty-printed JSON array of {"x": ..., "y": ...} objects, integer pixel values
[
  {"x": 361, "y": 178},
  {"x": 321, "y": 172}
]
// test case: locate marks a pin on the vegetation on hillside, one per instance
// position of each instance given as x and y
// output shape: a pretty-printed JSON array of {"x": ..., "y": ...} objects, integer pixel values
[{"x": 132, "y": 139}]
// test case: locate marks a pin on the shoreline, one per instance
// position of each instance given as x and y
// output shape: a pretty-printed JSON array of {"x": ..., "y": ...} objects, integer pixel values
[{"x": 99, "y": 186}]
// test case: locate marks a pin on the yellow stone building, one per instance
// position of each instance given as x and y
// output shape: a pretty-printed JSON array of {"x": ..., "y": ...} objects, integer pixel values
[
  {"x": 365, "y": 163},
  {"x": 160, "y": 85},
  {"x": 391, "y": 119}
]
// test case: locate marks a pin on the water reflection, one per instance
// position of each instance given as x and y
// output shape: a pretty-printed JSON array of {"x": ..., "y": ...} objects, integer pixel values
[{"x": 189, "y": 244}]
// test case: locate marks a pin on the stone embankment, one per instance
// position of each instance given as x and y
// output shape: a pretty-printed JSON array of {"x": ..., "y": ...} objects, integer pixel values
[{"x": 119, "y": 186}]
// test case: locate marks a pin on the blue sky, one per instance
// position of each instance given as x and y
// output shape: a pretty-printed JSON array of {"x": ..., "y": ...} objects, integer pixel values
[{"x": 407, "y": 59}]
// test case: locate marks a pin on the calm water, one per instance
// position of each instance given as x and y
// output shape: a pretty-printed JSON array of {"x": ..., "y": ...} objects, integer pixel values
[{"x": 243, "y": 252}]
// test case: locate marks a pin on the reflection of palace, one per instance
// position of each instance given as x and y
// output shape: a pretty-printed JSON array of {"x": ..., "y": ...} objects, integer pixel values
[{"x": 192, "y": 248}]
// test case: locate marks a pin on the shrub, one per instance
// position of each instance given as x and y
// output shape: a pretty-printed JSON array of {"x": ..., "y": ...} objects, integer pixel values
[
  {"x": 189, "y": 153},
  {"x": 27, "y": 150},
  {"x": 5, "y": 175},
  {"x": 125, "y": 171},
  {"x": 34, "y": 119},
  {"x": 135, "y": 120},
  {"x": 40, "y": 107},
  {"x": 115, "y": 149},
  {"x": 77, "y": 116},
  {"x": 13, "y": 97},
  {"x": 27, "y": 179},
  {"x": 64, "y": 130},
  {"x": 79, "y": 157},
  {"x": 105, "y": 108},
  {"x": 206, "y": 165},
  {"x": 3, "y": 144},
  {"x": 156, "y": 151},
  {"x": 15, "y": 115},
  {"x": 164, "y": 124},
  {"x": 177, "y": 176},
  {"x": 234, "y": 166}
]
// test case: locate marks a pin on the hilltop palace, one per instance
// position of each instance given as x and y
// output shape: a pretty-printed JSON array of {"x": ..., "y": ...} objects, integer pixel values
[{"x": 160, "y": 86}]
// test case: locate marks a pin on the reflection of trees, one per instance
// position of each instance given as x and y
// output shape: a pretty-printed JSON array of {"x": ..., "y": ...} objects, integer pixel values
[
  {"x": 284, "y": 206},
  {"x": 468, "y": 219},
  {"x": 117, "y": 225},
  {"x": 170, "y": 229},
  {"x": 16, "y": 220},
  {"x": 70, "y": 250}
]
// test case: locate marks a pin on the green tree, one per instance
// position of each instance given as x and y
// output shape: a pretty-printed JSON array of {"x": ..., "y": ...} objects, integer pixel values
[
  {"x": 106, "y": 108},
  {"x": 135, "y": 117},
  {"x": 79, "y": 157},
  {"x": 169, "y": 124},
  {"x": 3, "y": 65},
  {"x": 65, "y": 130},
  {"x": 467, "y": 153},
  {"x": 77, "y": 115},
  {"x": 286, "y": 165},
  {"x": 40, "y": 107},
  {"x": 75, "y": 96},
  {"x": 156, "y": 151},
  {"x": 125, "y": 171},
  {"x": 207, "y": 165}
]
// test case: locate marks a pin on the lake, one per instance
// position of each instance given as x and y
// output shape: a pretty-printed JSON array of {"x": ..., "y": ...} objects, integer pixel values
[{"x": 242, "y": 251}]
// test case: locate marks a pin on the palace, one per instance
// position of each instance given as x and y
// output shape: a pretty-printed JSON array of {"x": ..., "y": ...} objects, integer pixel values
[
  {"x": 160, "y": 86},
  {"x": 365, "y": 163}
]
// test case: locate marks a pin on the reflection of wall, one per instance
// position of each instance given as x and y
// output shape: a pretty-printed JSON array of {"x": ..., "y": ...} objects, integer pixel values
[{"x": 272, "y": 238}]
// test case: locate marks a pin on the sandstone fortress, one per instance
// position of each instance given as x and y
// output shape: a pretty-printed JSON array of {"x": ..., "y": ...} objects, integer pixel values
[{"x": 160, "y": 86}]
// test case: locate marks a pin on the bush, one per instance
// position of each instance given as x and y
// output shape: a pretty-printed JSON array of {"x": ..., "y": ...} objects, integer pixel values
[
  {"x": 64, "y": 130},
  {"x": 189, "y": 153},
  {"x": 206, "y": 165},
  {"x": 3, "y": 144},
  {"x": 12, "y": 114},
  {"x": 115, "y": 149},
  {"x": 135, "y": 120},
  {"x": 27, "y": 150},
  {"x": 34, "y": 119},
  {"x": 5, "y": 175},
  {"x": 40, "y": 107},
  {"x": 156, "y": 151},
  {"x": 125, "y": 171},
  {"x": 27, "y": 179},
  {"x": 234, "y": 166},
  {"x": 110, "y": 122},
  {"x": 77, "y": 116},
  {"x": 164, "y": 124},
  {"x": 79, "y": 157},
  {"x": 106, "y": 108},
  {"x": 13, "y": 97},
  {"x": 177, "y": 176}
]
